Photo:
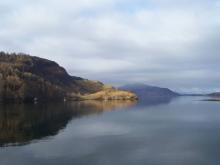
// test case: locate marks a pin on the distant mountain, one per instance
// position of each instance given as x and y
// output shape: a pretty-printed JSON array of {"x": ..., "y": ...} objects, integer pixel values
[
  {"x": 216, "y": 94},
  {"x": 27, "y": 78},
  {"x": 147, "y": 91}
]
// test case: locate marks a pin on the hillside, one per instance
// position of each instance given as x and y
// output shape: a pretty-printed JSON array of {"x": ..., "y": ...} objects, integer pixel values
[
  {"x": 216, "y": 94},
  {"x": 27, "y": 78},
  {"x": 110, "y": 94},
  {"x": 147, "y": 91}
]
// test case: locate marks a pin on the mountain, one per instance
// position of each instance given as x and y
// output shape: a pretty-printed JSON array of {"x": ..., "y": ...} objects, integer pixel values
[
  {"x": 27, "y": 78},
  {"x": 147, "y": 91},
  {"x": 216, "y": 94}
]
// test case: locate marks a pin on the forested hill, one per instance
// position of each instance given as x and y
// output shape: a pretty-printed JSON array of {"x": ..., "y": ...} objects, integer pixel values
[{"x": 25, "y": 78}]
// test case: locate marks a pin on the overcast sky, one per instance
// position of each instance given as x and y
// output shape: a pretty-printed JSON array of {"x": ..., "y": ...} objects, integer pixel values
[{"x": 170, "y": 43}]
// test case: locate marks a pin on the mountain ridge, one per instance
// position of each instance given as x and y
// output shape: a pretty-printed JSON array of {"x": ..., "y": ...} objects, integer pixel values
[{"x": 149, "y": 91}]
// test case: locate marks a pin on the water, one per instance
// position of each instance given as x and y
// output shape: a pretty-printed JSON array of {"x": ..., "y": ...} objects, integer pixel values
[{"x": 177, "y": 131}]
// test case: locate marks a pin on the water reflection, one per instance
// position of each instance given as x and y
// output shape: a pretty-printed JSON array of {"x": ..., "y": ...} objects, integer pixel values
[
  {"x": 183, "y": 131},
  {"x": 153, "y": 101},
  {"x": 21, "y": 124}
]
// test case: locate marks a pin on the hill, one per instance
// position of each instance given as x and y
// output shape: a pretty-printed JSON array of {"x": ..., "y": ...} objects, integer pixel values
[
  {"x": 216, "y": 94},
  {"x": 25, "y": 78},
  {"x": 147, "y": 91}
]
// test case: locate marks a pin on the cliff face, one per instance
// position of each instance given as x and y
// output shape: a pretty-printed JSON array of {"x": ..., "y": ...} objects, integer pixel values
[{"x": 25, "y": 78}]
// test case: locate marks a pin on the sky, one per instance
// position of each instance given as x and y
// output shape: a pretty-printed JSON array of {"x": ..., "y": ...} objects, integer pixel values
[{"x": 168, "y": 43}]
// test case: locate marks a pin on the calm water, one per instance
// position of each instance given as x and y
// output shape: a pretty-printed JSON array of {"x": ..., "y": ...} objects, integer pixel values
[{"x": 157, "y": 132}]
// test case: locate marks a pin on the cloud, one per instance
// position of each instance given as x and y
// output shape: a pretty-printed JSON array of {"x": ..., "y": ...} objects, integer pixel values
[{"x": 168, "y": 43}]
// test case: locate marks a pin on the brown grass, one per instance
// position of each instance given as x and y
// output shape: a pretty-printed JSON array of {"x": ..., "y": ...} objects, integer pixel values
[{"x": 110, "y": 94}]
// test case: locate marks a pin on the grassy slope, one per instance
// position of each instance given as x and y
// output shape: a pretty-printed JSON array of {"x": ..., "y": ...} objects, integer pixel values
[{"x": 110, "y": 94}]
